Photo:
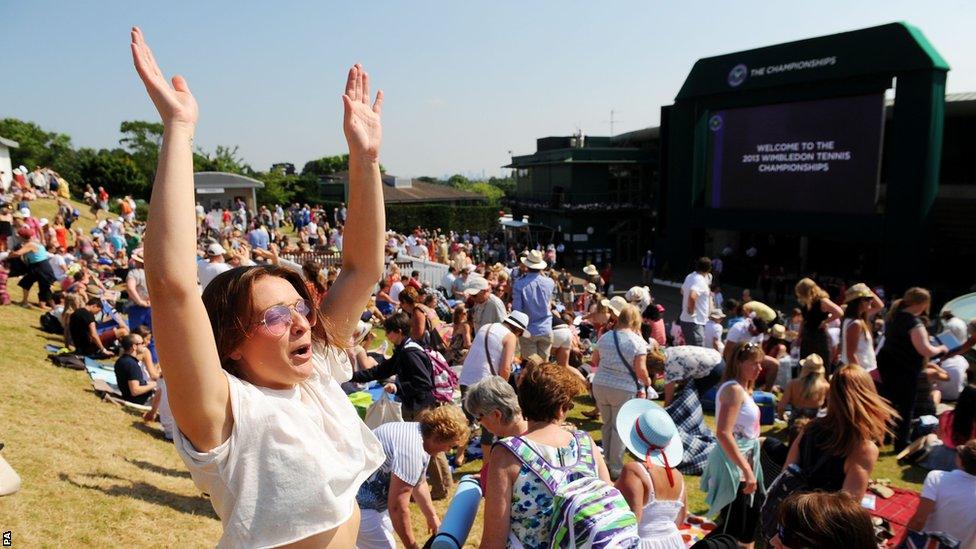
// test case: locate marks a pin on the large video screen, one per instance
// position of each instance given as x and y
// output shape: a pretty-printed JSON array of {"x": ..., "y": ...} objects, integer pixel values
[{"x": 810, "y": 156}]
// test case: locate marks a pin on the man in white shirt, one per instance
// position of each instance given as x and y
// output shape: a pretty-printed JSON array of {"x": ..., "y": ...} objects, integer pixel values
[
  {"x": 696, "y": 302},
  {"x": 215, "y": 264},
  {"x": 447, "y": 282},
  {"x": 488, "y": 308},
  {"x": 947, "y": 500},
  {"x": 752, "y": 329},
  {"x": 398, "y": 287}
]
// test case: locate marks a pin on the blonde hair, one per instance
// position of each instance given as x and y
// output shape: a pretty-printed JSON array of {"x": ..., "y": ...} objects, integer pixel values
[
  {"x": 813, "y": 380},
  {"x": 807, "y": 292},
  {"x": 629, "y": 318},
  {"x": 855, "y": 411},
  {"x": 912, "y": 296},
  {"x": 443, "y": 424}
]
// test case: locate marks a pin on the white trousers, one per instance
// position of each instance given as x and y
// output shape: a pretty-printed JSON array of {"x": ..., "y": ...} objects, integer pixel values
[{"x": 375, "y": 530}]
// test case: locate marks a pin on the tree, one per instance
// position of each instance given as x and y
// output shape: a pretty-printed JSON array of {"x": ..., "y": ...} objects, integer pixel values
[
  {"x": 458, "y": 180},
  {"x": 224, "y": 159},
  {"x": 142, "y": 140},
  {"x": 116, "y": 171},
  {"x": 276, "y": 189},
  {"x": 327, "y": 165},
  {"x": 36, "y": 146}
]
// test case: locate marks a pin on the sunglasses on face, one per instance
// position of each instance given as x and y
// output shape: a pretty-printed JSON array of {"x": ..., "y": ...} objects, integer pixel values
[{"x": 278, "y": 318}]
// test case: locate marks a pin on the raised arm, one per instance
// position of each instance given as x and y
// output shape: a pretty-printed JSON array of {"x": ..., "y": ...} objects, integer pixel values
[
  {"x": 362, "y": 250},
  {"x": 198, "y": 393}
]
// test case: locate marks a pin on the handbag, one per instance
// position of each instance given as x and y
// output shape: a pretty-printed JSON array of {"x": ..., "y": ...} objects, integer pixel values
[
  {"x": 630, "y": 367},
  {"x": 384, "y": 410}
]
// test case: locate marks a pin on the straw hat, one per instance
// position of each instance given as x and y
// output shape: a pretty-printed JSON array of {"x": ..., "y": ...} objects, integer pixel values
[
  {"x": 716, "y": 314},
  {"x": 812, "y": 364},
  {"x": 649, "y": 433},
  {"x": 590, "y": 288},
  {"x": 778, "y": 331},
  {"x": 615, "y": 305},
  {"x": 857, "y": 291},
  {"x": 534, "y": 260},
  {"x": 590, "y": 270}
]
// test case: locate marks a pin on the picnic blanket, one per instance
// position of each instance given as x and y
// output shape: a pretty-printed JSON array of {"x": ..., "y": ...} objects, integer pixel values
[
  {"x": 898, "y": 510},
  {"x": 697, "y": 439}
]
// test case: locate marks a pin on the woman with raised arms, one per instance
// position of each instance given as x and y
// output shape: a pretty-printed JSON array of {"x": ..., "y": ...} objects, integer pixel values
[{"x": 252, "y": 368}]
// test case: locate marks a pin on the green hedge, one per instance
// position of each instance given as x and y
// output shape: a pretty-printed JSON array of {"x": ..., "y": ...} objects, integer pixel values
[{"x": 403, "y": 218}]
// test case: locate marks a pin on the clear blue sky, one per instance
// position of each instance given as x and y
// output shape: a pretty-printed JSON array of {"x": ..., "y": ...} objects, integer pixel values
[{"x": 465, "y": 82}]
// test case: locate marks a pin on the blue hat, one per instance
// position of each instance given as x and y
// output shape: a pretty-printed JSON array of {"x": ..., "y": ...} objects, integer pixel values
[{"x": 649, "y": 433}]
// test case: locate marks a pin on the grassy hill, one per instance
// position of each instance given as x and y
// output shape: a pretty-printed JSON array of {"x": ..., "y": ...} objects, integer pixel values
[{"x": 94, "y": 474}]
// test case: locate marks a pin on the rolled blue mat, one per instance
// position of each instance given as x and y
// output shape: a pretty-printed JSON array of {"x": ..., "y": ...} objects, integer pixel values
[{"x": 460, "y": 515}]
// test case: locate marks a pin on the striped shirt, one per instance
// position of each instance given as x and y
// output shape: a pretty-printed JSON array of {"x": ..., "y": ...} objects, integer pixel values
[{"x": 405, "y": 458}]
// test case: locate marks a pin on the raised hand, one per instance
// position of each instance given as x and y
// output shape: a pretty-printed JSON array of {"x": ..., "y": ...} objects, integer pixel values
[
  {"x": 174, "y": 103},
  {"x": 361, "y": 122}
]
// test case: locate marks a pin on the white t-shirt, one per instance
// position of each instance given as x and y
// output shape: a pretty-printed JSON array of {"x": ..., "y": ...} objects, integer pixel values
[
  {"x": 713, "y": 335},
  {"x": 739, "y": 333},
  {"x": 403, "y": 446},
  {"x": 294, "y": 461},
  {"x": 956, "y": 367},
  {"x": 58, "y": 265},
  {"x": 696, "y": 282},
  {"x": 476, "y": 362},
  {"x": 395, "y": 290},
  {"x": 447, "y": 281},
  {"x": 207, "y": 271},
  {"x": 954, "y": 493},
  {"x": 139, "y": 275}
]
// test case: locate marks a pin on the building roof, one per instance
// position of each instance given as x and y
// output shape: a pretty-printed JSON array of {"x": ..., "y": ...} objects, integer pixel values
[
  {"x": 400, "y": 190},
  {"x": 207, "y": 180},
  {"x": 9, "y": 143}
]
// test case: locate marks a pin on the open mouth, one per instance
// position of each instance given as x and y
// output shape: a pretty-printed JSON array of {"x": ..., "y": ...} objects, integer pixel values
[{"x": 304, "y": 351}]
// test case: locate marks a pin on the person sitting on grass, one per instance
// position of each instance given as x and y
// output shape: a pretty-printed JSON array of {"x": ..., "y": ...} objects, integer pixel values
[
  {"x": 133, "y": 380},
  {"x": 252, "y": 370},
  {"x": 805, "y": 395},
  {"x": 947, "y": 499},
  {"x": 385, "y": 497},
  {"x": 84, "y": 331}
]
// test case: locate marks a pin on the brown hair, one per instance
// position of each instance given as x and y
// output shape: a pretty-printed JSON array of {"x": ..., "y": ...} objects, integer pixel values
[
  {"x": 409, "y": 295},
  {"x": 459, "y": 310},
  {"x": 443, "y": 424},
  {"x": 807, "y": 292},
  {"x": 742, "y": 352},
  {"x": 855, "y": 412},
  {"x": 825, "y": 519},
  {"x": 655, "y": 360},
  {"x": 967, "y": 456},
  {"x": 229, "y": 304},
  {"x": 912, "y": 296},
  {"x": 546, "y": 390}
]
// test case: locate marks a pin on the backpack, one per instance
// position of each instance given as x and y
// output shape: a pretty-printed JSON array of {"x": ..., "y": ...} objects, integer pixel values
[
  {"x": 50, "y": 324},
  {"x": 74, "y": 362},
  {"x": 445, "y": 379},
  {"x": 586, "y": 511}
]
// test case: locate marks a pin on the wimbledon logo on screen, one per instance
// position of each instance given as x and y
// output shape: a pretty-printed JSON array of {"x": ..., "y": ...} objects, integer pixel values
[
  {"x": 715, "y": 123},
  {"x": 738, "y": 75}
]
